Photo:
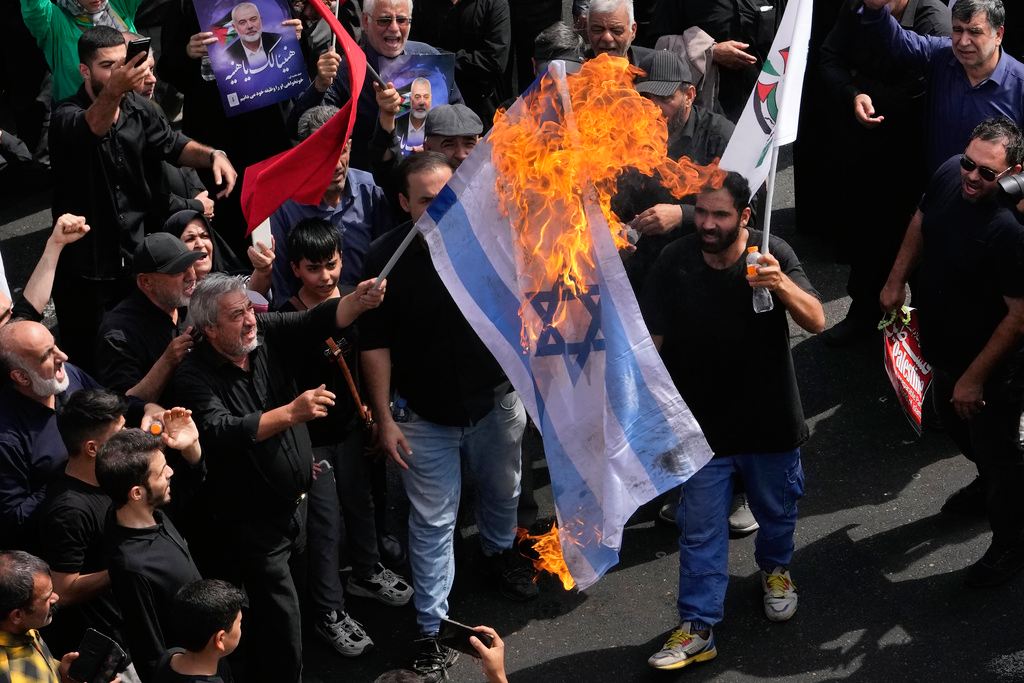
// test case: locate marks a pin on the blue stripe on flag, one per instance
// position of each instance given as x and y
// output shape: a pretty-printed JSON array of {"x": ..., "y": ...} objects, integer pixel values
[{"x": 471, "y": 265}]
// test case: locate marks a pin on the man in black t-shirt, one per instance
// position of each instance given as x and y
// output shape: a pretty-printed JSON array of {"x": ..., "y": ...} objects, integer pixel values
[
  {"x": 71, "y": 527},
  {"x": 969, "y": 247},
  {"x": 697, "y": 303}
]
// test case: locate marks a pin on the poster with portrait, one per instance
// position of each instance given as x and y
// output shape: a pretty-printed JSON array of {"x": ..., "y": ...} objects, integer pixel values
[
  {"x": 423, "y": 81},
  {"x": 256, "y": 61}
]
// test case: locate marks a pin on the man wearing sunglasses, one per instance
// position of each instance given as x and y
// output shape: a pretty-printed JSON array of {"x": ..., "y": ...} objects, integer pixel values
[
  {"x": 968, "y": 246},
  {"x": 386, "y": 25}
]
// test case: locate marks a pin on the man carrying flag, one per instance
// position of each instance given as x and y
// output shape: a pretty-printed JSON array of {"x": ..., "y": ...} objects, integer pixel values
[
  {"x": 697, "y": 304},
  {"x": 454, "y": 403}
]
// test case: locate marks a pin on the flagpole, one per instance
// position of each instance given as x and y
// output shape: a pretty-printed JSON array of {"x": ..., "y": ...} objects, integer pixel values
[
  {"x": 334, "y": 38},
  {"x": 770, "y": 196},
  {"x": 397, "y": 255}
]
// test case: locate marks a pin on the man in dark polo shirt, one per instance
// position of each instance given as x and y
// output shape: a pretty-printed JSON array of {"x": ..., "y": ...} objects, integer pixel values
[
  {"x": 72, "y": 522},
  {"x": 453, "y": 404},
  {"x": 144, "y": 338},
  {"x": 148, "y": 559},
  {"x": 240, "y": 383},
  {"x": 99, "y": 139},
  {"x": 693, "y": 132},
  {"x": 969, "y": 249}
]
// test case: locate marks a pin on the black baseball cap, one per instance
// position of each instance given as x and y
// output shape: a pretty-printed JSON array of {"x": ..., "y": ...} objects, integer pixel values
[
  {"x": 452, "y": 120},
  {"x": 666, "y": 73},
  {"x": 163, "y": 252}
]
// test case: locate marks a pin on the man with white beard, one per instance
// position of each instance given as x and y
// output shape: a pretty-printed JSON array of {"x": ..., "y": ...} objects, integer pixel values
[
  {"x": 36, "y": 381},
  {"x": 411, "y": 130}
]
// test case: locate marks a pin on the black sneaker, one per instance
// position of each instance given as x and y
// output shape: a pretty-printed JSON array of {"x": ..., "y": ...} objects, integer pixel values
[
  {"x": 968, "y": 501},
  {"x": 998, "y": 565},
  {"x": 514, "y": 575},
  {"x": 432, "y": 659}
]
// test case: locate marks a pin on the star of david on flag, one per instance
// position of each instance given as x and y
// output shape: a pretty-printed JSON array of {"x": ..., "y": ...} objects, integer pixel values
[{"x": 616, "y": 432}]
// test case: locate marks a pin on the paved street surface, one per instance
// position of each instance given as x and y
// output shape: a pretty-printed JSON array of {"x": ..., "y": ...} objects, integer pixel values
[{"x": 880, "y": 571}]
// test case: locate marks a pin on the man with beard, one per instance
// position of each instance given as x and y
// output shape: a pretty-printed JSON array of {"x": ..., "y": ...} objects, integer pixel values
[
  {"x": 254, "y": 48},
  {"x": 27, "y": 602},
  {"x": 352, "y": 203},
  {"x": 38, "y": 379},
  {"x": 147, "y": 559},
  {"x": 240, "y": 382},
  {"x": 100, "y": 140},
  {"x": 411, "y": 129},
  {"x": 693, "y": 132},
  {"x": 697, "y": 305},
  {"x": 143, "y": 340},
  {"x": 968, "y": 248}
]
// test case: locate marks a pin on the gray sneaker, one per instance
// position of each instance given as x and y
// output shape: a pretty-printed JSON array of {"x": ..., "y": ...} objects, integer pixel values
[
  {"x": 343, "y": 633},
  {"x": 684, "y": 647},
  {"x": 741, "y": 519}
]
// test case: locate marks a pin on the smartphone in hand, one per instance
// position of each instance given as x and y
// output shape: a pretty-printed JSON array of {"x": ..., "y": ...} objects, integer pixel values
[{"x": 456, "y": 636}]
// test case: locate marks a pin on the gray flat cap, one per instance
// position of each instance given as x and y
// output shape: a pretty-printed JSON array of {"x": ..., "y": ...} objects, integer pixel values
[
  {"x": 666, "y": 73},
  {"x": 451, "y": 120}
]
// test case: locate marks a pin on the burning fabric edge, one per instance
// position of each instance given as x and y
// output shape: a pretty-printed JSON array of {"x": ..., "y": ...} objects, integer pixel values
[{"x": 616, "y": 432}]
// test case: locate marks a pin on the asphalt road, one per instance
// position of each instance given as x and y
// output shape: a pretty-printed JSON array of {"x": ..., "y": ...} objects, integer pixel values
[{"x": 880, "y": 571}]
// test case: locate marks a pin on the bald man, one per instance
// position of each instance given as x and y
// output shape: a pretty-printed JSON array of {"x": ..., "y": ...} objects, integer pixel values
[{"x": 37, "y": 380}]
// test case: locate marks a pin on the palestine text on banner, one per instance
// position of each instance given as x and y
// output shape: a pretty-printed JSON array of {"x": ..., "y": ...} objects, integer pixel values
[
  {"x": 773, "y": 111},
  {"x": 616, "y": 432}
]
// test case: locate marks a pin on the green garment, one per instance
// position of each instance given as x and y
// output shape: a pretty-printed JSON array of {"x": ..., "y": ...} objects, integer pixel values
[{"x": 57, "y": 34}]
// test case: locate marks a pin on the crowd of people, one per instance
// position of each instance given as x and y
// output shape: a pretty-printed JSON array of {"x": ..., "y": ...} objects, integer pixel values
[{"x": 186, "y": 451}]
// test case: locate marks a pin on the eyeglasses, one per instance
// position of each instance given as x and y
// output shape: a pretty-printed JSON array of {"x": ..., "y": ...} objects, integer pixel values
[
  {"x": 385, "y": 21},
  {"x": 987, "y": 174}
]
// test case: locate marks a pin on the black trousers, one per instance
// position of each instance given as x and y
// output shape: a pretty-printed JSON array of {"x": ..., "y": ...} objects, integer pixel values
[
  {"x": 992, "y": 440},
  {"x": 256, "y": 555}
]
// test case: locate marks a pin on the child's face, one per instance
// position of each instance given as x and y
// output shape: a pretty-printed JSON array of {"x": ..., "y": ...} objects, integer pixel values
[
  {"x": 319, "y": 279},
  {"x": 233, "y": 635}
]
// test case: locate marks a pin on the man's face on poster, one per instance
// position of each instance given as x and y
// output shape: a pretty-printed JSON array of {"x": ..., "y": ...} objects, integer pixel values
[
  {"x": 247, "y": 23},
  {"x": 419, "y": 98}
]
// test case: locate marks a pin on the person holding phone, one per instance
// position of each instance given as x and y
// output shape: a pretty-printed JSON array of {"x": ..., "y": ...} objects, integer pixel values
[
  {"x": 27, "y": 602},
  {"x": 99, "y": 173}
]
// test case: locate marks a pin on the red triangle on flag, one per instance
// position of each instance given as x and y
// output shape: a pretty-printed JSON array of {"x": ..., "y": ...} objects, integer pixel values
[
  {"x": 303, "y": 172},
  {"x": 764, "y": 90}
]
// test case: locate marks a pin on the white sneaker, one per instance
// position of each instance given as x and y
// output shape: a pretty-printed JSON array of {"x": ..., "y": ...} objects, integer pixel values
[
  {"x": 780, "y": 596},
  {"x": 385, "y": 586},
  {"x": 684, "y": 647},
  {"x": 343, "y": 633}
]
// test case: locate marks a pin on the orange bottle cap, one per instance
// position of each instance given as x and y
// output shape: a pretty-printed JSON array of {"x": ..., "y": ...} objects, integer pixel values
[{"x": 751, "y": 249}]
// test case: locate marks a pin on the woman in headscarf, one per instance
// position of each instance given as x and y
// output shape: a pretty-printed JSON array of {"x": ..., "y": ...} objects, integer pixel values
[
  {"x": 57, "y": 25},
  {"x": 193, "y": 228}
]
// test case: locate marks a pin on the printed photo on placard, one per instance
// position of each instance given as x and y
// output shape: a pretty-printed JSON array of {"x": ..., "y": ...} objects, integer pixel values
[
  {"x": 256, "y": 61},
  {"x": 423, "y": 81}
]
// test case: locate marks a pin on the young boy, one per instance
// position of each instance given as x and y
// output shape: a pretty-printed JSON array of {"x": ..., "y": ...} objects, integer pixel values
[
  {"x": 208, "y": 618},
  {"x": 342, "y": 485}
]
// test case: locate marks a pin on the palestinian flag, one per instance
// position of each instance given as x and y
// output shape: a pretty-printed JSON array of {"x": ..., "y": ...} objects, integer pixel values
[{"x": 773, "y": 110}]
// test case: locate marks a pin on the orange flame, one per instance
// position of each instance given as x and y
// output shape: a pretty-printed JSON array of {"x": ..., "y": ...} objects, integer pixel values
[
  {"x": 547, "y": 156},
  {"x": 549, "y": 554}
]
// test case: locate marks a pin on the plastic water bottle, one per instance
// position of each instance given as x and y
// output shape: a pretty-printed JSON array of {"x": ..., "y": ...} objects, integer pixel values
[
  {"x": 762, "y": 297},
  {"x": 206, "y": 69}
]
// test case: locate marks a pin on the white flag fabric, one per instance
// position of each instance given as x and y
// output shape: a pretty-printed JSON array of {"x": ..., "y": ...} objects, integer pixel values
[
  {"x": 773, "y": 110},
  {"x": 616, "y": 431}
]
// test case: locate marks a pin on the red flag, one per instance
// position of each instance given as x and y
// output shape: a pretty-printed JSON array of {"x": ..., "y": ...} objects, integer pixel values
[{"x": 304, "y": 172}]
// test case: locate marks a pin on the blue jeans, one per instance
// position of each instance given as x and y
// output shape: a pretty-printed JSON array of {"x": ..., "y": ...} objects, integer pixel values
[
  {"x": 433, "y": 483},
  {"x": 774, "y": 483}
]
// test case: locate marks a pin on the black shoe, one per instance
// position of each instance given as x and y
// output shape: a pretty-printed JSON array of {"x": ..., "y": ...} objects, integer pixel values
[
  {"x": 998, "y": 565},
  {"x": 432, "y": 659},
  {"x": 849, "y": 331},
  {"x": 514, "y": 575},
  {"x": 968, "y": 501}
]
